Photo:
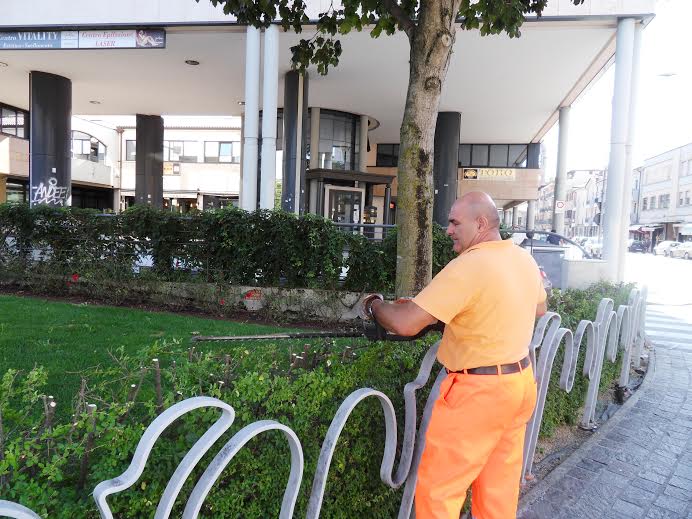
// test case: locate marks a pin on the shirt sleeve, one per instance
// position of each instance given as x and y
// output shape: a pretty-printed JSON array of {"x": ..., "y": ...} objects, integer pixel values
[{"x": 448, "y": 294}]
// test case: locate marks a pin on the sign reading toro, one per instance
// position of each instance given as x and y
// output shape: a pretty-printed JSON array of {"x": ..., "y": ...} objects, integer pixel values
[{"x": 489, "y": 174}]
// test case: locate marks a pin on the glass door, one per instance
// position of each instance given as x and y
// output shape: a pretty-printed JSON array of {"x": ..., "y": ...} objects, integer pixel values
[{"x": 344, "y": 204}]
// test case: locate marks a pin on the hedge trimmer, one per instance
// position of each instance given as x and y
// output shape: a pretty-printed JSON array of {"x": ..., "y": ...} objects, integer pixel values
[{"x": 369, "y": 329}]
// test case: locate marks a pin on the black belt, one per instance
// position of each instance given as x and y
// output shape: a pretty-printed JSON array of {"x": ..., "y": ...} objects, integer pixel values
[{"x": 505, "y": 369}]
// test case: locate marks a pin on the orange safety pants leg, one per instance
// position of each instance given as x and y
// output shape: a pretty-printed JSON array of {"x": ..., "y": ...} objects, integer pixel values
[{"x": 475, "y": 436}]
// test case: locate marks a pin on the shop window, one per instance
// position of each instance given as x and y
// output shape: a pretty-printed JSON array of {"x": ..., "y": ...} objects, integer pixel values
[
  {"x": 387, "y": 155},
  {"x": 13, "y": 121},
  {"x": 222, "y": 152},
  {"x": 17, "y": 192},
  {"x": 87, "y": 147},
  {"x": 130, "y": 150}
]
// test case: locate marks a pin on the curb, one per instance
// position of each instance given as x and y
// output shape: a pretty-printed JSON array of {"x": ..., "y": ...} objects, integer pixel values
[{"x": 538, "y": 491}]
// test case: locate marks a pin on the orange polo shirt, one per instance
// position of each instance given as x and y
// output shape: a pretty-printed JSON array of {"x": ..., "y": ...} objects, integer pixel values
[{"x": 487, "y": 298}]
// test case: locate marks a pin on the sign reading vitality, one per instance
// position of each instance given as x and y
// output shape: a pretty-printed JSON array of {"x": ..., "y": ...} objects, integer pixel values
[{"x": 106, "y": 39}]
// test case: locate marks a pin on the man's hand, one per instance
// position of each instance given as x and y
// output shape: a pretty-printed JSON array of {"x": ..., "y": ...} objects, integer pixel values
[
  {"x": 365, "y": 310},
  {"x": 404, "y": 317}
]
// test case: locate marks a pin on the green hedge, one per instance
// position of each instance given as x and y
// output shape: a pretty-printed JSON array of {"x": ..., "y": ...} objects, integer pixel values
[
  {"x": 229, "y": 246},
  {"x": 40, "y": 465}
]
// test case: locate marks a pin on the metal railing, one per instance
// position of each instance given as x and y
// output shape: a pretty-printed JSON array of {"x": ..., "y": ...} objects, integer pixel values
[{"x": 611, "y": 330}]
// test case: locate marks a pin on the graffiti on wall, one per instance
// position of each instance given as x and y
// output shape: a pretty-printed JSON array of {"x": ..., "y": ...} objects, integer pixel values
[{"x": 51, "y": 194}]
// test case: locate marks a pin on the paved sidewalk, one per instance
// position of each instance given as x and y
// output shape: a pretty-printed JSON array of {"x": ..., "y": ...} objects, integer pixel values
[{"x": 639, "y": 465}]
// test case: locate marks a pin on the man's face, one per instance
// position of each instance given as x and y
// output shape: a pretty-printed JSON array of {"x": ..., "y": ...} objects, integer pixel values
[{"x": 462, "y": 228}]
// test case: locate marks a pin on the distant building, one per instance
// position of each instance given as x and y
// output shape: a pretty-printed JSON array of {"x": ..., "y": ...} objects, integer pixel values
[{"x": 662, "y": 196}]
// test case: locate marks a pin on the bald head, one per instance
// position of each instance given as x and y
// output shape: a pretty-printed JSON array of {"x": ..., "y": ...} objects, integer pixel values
[
  {"x": 473, "y": 219},
  {"x": 479, "y": 204}
]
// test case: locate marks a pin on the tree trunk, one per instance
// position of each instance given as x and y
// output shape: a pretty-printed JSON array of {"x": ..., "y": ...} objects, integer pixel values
[{"x": 431, "y": 49}]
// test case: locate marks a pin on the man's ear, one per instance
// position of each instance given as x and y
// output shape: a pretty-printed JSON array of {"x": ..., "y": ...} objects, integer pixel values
[{"x": 482, "y": 222}]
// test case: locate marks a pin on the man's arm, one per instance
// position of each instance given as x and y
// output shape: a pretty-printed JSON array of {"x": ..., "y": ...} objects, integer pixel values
[
  {"x": 404, "y": 319},
  {"x": 541, "y": 309}
]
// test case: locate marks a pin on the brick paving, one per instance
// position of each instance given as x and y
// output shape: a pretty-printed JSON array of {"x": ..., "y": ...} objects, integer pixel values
[{"x": 639, "y": 464}]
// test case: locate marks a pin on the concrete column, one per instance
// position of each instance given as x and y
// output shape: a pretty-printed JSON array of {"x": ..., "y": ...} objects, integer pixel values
[
  {"x": 314, "y": 153},
  {"x": 50, "y": 107},
  {"x": 507, "y": 217},
  {"x": 3, "y": 189},
  {"x": 248, "y": 188},
  {"x": 314, "y": 137},
  {"x": 627, "y": 191},
  {"x": 149, "y": 161},
  {"x": 531, "y": 215},
  {"x": 445, "y": 164},
  {"x": 533, "y": 155},
  {"x": 295, "y": 122},
  {"x": 612, "y": 214},
  {"x": 387, "y": 201},
  {"x": 561, "y": 175},
  {"x": 200, "y": 202},
  {"x": 515, "y": 216},
  {"x": 270, "y": 92},
  {"x": 363, "y": 155}
]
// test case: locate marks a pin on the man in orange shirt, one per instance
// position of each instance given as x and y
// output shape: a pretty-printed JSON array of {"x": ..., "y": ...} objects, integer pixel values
[{"x": 488, "y": 297}]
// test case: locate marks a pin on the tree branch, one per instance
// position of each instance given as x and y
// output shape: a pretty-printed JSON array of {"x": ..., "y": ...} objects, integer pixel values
[{"x": 399, "y": 15}]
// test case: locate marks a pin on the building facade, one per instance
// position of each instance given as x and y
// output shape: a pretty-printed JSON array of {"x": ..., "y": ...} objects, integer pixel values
[
  {"x": 333, "y": 138},
  {"x": 662, "y": 196}
]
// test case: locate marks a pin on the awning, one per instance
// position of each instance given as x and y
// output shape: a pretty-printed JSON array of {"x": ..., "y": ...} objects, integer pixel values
[
  {"x": 644, "y": 228},
  {"x": 686, "y": 229}
]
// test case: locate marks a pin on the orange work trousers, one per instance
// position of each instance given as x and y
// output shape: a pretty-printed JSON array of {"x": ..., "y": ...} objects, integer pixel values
[{"x": 475, "y": 438}]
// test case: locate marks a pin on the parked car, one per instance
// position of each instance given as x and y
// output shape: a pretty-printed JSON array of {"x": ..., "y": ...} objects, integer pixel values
[
  {"x": 637, "y": 246},
  {"x": 594, "y": 246},
  {"x": 684, "y": 250},
  {"x": 665, "y": 247}
]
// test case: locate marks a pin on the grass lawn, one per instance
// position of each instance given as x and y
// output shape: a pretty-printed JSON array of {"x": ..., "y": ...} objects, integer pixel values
[{"x": 67, "y": 338}]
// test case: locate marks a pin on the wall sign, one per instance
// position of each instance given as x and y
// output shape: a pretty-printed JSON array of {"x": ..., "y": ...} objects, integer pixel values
[
  {"x": 489, "y": 174},
  {"x": 105, "y": 39}
]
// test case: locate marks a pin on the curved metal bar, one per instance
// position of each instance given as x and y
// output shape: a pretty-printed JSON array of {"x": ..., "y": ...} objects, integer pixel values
[
  {"x": 409, "y": 447},
  {"x": 16, "y": 511},
  {"x": 549, "y": 348},
  {"x": 146, "y": 443},
  {"x": 640, "y": 322},
  {"x": 569, "y": 366},
  {"x": 329, "y": 445},
  {"x": 226, "y": 454},
  {"x": 606, "y": 333},
  {"x": 410, "y": 488},
  {"x": 547, "y": 321}
]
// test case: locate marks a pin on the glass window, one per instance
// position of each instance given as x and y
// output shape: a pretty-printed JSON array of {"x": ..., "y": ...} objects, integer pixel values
[
  {"x": 687, "y": 198},
  {"x": 653, "y": 202},
  {"x": 339, "y": 139},
  {"x": 130, "y": 150},
  {"x": 518, "y": 154},
  {"x": 190, "y": 151},
  {"x": 225, "y": 152},
  {"x": 498, "y": 155},
  {"x": 9, "y": 121},
  {"x": 387, "y": 155},
  {"x": 464, "y": 155},
  {"x": 13, "y": 121},
  {"x": 479, "y": 155},
  {"x": 645, "y": 204},
  {"x": 87, "y": 147}
]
